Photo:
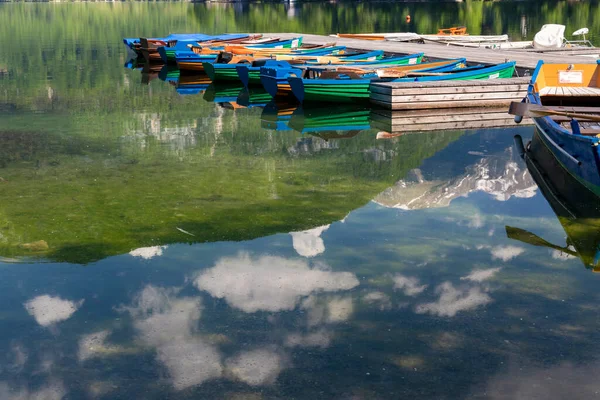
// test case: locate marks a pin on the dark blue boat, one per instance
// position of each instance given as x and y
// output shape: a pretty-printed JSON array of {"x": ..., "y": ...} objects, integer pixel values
[{"x": 563, "y": 102}]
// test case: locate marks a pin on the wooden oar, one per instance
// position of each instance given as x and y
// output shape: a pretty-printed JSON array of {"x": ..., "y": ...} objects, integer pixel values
[
  {"x": 534, "y": 110},
  {"x": 382, "y": 73}
]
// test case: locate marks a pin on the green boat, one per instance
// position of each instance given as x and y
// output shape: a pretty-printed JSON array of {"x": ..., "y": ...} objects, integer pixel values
[{"x": 346, "y": 89}]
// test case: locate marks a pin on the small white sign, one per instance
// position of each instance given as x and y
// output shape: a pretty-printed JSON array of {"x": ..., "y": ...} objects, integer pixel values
[
  {"x": 570, "y": 76},
  {"x": 294, "y": 43},
  {"x": 495, "y": 76},
  {"x": 412, "y": 60}
]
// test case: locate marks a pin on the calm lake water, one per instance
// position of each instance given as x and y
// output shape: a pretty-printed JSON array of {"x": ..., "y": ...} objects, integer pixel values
[{"x": 159, "y": 245}]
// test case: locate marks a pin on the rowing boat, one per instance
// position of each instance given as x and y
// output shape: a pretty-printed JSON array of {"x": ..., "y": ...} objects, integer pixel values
[
  {"x": 229, "y": 72},
  {"x": 563, "y": 101},
  {"x": 250, "y": 74},
  {"x": 444, "y": 39},
  {"x": 168, "y": 53},
  {"x": 404, "y": 36},
  {"x": 275, "y": 80},
  {"x": 349, "y": 87}
]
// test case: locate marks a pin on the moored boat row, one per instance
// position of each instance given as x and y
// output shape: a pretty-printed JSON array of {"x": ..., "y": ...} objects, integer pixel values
[{"x": 324, "y": 73}]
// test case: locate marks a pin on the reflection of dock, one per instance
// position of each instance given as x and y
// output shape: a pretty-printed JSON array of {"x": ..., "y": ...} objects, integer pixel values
[{"x": 441, "y": 119}]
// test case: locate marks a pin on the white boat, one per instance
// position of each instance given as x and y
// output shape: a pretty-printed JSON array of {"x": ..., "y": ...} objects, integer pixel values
[
  {"x": 445, "y": 39},
  {"x": 398, "y": 36},
  {"x": 528, "y": 44},
  {"x": 552, "y": 36}
]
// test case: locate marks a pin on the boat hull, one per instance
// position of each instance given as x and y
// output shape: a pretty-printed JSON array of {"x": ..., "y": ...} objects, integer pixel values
[
  {"x": 330, "y": 90},
  {"x": 577, "y": 155}
]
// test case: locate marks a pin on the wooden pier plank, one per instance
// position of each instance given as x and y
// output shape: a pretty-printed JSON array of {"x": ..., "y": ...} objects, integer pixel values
[
  {"x": 448, "y": 97},
  {"x": 445, "y": 89},
  {"x": 437, "y": 105}
]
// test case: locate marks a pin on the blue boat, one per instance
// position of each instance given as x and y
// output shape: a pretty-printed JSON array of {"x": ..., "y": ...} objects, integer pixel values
[
  {"x": 275, "y": 79},
  {"x": 188, "y": 37},
  {"x": 249, "y": 74},
  {"x": 563, "y": 101}
]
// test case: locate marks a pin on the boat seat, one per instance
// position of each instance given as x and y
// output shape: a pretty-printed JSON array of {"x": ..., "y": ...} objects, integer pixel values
[{"x": 569, "y": 91}]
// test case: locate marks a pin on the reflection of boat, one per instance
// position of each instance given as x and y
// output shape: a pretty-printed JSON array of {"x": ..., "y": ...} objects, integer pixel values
[
  {"x": 276, "y": 115},
  {"x": 169, "y": 73},
  {"x": 576, "y": 207},
  {"x": 192, "y": 84},
  {"x": 222, "y": 93},
  {"x": 150, "y": 72},
  {"x": 348, "y": 118},
  {"x": 253, "y": 97}
]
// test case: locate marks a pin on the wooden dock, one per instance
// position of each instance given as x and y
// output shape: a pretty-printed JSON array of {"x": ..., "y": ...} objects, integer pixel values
[
  {"x": 448, "y": 94},
  {"x": 526, "y": 60},
  {"x": 452, "y": 94}
]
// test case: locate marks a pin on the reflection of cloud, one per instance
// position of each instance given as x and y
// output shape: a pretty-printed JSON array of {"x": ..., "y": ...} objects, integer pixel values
[
  {"x": 256, "y": 367},
  {"x": 480, "y": 275},
  {"x": 98, "y": 389},
  {"x": 454, "y": 300},
  {"x": 269, "y": 283},
  {"x": 340, "y": 309},
  {"x": 90, "y": 344},
  {"x": 20, "y": 357},
  {"x": 94, "y": 345},
  {"x": 55, "y": 390},
  {"x": 380, "y": 298},
  {"x": 48, "y": 310},
  {"x": 560, "y": 255},
  {"x": 309, "y": 243},
  {"x": 562, "y": 381},
  {"x": 320, "y": 338},
  {"x": 409, "y": 285},
  {"x": 169, "y": 324},
  {"x": 329, "y": 310},
  {"x": 148, "y": 252},
  {"x": 506, "y": 253},
  {"x": 476, "y": 222}
]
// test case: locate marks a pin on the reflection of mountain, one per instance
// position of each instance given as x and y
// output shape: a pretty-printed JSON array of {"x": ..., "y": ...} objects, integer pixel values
[
  {"x": 497, "y": 175},
  {"x": 576, "y": 207},
  {"x": 109, "y": 195}
]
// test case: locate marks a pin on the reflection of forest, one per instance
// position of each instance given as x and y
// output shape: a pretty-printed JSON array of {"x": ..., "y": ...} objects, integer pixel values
[{"x": 93, "y": 196}]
